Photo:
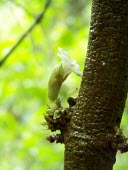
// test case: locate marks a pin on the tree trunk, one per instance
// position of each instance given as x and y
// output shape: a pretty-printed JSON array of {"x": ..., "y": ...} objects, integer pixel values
[{"x": 90, "y": 139}]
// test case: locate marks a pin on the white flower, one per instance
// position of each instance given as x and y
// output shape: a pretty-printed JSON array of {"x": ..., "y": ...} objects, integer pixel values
[
  {"x": 68, "y": 64},
  {"x": 60, "y": 73}
]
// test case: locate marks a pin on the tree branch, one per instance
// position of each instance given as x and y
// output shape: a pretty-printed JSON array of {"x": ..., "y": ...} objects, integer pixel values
[
  {"x": 93, "y": 136},
  {"x": 37, "y": 21}
]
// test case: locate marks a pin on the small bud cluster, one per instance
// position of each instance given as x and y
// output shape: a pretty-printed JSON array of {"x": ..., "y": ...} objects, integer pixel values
[{"x": 59, "y": 120}]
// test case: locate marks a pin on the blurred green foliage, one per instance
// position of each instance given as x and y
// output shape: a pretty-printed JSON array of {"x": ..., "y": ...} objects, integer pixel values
[{"x": 24, "y": 77}]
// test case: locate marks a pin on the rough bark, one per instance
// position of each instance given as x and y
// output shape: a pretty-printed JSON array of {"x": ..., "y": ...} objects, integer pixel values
[{"x": 89, "y": 141}]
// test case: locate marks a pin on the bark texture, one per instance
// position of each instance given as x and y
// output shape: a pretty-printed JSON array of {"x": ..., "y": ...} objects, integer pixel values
[{"x": 98, "y": 112}]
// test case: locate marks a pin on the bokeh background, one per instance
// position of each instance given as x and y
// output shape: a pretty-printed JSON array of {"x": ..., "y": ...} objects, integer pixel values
[{"x": 25, "y": 73}]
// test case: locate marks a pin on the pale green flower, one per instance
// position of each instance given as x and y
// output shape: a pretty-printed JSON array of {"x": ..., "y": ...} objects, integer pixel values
[{"x": 60, "y": 73}]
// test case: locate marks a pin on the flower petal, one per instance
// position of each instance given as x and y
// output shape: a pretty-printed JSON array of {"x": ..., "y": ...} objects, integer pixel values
[{"x": 68, "y": 64}]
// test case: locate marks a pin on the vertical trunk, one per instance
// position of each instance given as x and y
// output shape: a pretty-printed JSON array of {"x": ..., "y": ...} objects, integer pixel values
[{"x": 97, "y": 114}]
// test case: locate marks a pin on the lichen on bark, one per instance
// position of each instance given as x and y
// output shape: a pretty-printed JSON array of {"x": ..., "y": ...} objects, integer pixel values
[{"x": 103, "y": 91}]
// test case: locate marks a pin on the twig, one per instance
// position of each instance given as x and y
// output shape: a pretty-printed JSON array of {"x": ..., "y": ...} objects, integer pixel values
[{"x": 37, "y": 21}]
